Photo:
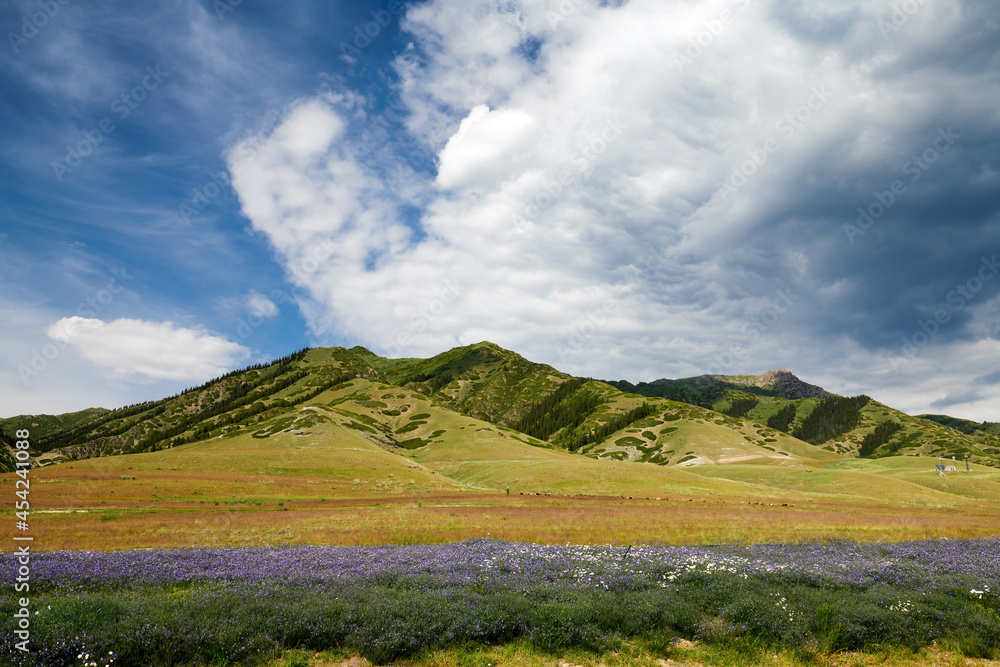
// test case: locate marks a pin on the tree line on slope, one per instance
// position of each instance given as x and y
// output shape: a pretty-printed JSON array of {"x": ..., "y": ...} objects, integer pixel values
[
  {"x": 832, "y": 417},
  {"x": 740, "y": 406},
  {"x": 782, "y": 421},
  {"x": 880, "y": 436},
  {"x": 145, "y": 412},
  {"x": 576, "y": 441},
  {"x": 564, "y": 407},
  {"x": 233, "y": 409}
]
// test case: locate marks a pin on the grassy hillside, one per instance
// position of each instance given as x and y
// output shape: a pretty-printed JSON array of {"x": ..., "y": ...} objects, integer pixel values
[
  {"x": 327, "y": 472},
  {"x": 223, "y": 406},
  {"x": 366, "y": 461},
  {"x": 410, "y": 404},
  {"x": 905, "y": 481},
  {"x": 964, "y": 425},
  {"x": 43, "y": 425},
  {"x": 845, "y": 426},
  {"x": 337, "y": 446}
]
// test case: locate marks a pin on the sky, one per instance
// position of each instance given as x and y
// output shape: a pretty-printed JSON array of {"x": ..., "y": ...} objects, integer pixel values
[{"x": 622, "y": 190}]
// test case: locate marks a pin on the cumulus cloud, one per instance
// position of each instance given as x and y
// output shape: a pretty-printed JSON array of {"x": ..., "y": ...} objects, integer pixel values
[
  {"x": 260, "y": 305},
  {"x": 487, "y": 146},
  {"x": 628, "y": 189},
  {"x": 143, "y": 351}
]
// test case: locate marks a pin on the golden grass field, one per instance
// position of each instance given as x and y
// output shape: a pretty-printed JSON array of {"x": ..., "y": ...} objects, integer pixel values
[
  {"x": 323, "y": 480},
  {"x": 323, "y": 483}
]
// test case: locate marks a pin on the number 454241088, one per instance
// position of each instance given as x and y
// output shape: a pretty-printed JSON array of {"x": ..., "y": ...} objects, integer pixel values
[{"x": 22, "y": 485}]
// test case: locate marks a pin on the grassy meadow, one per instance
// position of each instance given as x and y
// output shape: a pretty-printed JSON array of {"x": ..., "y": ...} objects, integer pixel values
[
  {"x": 320, "y": 481},
  {"x": 328, "y": 474}
]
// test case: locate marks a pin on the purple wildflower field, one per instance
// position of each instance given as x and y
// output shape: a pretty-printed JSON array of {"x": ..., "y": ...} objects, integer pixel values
[
  {"x": 385, "y": 602},
  {"x": 917, "y": 565}
]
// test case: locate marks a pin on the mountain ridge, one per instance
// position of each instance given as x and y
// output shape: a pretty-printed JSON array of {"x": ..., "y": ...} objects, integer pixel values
[{"x": 774, "y": 417}]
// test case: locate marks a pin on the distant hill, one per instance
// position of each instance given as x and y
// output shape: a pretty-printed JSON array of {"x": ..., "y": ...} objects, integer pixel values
[
  {"x": 410, "y": 405},
  {"x": 964, "y": 425},
  {"x": 857, "y": 426},
  {"x": 38, "y": 426},
  {"x": 42, "y": 425},
  {"x": 708, "y": 390}
]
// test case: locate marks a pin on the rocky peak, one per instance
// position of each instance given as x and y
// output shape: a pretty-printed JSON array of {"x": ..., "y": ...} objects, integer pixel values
[{"x": 787, "y": 385}]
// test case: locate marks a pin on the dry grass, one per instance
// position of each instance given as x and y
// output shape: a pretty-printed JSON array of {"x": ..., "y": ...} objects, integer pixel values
[
  {"x": 450, "y": 517},
  {"x": 682, "y": 654},
  {"x": 324, "y": 484}
]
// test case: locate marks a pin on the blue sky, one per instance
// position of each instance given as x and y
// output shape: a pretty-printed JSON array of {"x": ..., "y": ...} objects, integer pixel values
[{"x": 625, "y": 190}]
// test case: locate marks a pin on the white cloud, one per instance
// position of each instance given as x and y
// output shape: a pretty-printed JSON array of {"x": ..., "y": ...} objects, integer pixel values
[
  {"x": 142, "y": 351},
  {"x": 603, "y": 187},
  {"x": 486, "y": 143},
  {"x": 260, "y": 305}
]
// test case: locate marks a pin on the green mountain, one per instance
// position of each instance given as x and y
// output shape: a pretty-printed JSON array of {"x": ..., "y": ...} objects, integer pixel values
[
  {"x": 964, "y": 425},
  {"x": 445, "y": 405},
  {"x": 42, "y": 425},
  {"x": 710, "y": 391},
  {"x": 848, "y": 426}
]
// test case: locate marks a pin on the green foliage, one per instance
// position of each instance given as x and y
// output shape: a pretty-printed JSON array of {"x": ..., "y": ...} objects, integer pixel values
[
  {"x": 685, "y": 391},
  {"x": 255, "y": 382},
  {"x": 616, "y": 423},
  {"x": 567, "y": 406},
  {"x": 436, "y": 382},
  {"x": 234, "y": 399},
  {"x": 832, "y": 417},
  {"x": 42, "y": 426},
  {"x": 392, "y": 616},
  {"x": 782, "y": 421},
  {"x": 414, "y": 443},
  {"x": 740, "y": 406},
  {"x": 412, "y": 426},
  {"x": 964, "y": 425},
  {"x": 482, "y": 381},
  {"x": 880, "y": 436}
]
